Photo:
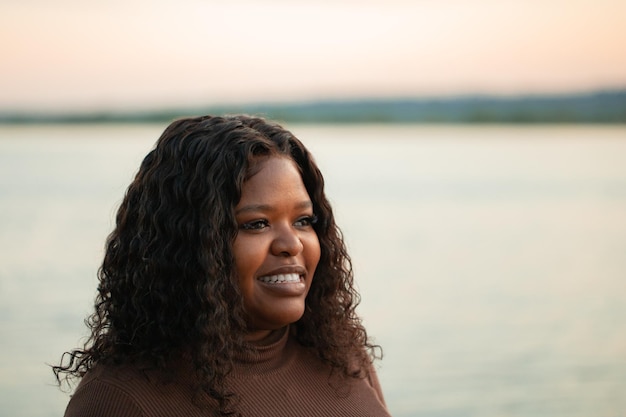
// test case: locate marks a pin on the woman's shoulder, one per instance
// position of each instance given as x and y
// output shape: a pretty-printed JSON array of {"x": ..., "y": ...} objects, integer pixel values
[
  {"x": 107, "y": 391},
  {"x": 129, "y": 391}
]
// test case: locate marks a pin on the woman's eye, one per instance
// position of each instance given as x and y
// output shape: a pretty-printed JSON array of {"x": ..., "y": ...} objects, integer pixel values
[
  {"x": 255, "y": 225},
  {"x": 306, "y": 221}
]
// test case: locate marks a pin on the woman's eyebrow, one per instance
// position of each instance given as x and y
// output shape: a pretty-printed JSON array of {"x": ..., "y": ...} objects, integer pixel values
[{"x": 268, "y": 208}]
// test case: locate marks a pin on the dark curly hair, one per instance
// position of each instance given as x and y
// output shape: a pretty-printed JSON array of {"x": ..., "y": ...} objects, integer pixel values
[{"x": 168, "y": 284}]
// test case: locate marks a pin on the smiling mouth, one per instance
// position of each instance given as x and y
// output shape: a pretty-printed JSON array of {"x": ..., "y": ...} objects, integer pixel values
[{"x": 280, "y": 278}]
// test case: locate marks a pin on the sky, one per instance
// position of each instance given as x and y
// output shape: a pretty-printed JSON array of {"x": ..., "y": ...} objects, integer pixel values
[{"x": 142, "y": 54}]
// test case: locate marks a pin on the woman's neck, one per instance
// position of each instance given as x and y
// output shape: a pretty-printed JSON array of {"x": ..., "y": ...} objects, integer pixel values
[{"x": 264, "y": 337}]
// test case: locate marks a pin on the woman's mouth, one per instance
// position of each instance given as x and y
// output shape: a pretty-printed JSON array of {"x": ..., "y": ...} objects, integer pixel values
[{"x": 280, "y": 278}]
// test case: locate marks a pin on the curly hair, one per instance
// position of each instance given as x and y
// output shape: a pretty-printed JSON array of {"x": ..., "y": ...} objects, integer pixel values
[{"x": 168, "y": 284}]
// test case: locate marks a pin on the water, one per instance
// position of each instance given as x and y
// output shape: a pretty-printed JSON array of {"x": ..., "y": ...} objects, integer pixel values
[{"x": 490, "y": 259}]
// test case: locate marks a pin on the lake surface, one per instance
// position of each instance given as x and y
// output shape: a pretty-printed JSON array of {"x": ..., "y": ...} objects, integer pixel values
[{"x": 491, "y": 260}]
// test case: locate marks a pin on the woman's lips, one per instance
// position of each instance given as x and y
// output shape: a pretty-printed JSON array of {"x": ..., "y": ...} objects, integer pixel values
[
  {"x": 286, "y": 281},
  {"x": 280, "y": 278},
  {"x": 285, "y": 273}
]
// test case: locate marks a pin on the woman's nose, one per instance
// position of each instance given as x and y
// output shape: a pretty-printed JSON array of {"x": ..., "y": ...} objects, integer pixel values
[{"x": 286, "y": 242}]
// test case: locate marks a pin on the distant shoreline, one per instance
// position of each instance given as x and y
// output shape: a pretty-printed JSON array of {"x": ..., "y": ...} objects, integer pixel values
[{"x": 600, "y": 107}]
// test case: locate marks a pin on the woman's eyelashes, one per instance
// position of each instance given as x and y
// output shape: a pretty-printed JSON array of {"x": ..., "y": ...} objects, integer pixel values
[
  {"x": 260, "y": 224},
  {"x": 306, "y": 221},
  {"x": 255, "y": 225}
]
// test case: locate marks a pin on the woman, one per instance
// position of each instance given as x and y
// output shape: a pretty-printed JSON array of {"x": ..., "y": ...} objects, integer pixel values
[{"x": 226, "y": 288}]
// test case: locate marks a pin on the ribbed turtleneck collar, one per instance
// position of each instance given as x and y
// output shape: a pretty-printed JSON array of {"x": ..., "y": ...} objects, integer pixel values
[{"x": 264, "y": 356}]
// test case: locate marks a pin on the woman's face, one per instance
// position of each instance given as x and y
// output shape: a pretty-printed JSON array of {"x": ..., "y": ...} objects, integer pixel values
[{"x": 276, "y": 249}]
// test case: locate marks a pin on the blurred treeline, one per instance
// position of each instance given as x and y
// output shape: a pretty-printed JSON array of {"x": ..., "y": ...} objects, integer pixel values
[{"x": 594, "y": 107}]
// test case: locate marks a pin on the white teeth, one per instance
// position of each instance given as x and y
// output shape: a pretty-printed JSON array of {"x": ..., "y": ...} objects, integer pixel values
[{"x": 281, "y": 278}]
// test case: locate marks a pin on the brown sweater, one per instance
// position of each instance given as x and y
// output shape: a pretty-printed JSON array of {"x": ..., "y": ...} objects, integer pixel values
[{"x": 284, "y": 379}]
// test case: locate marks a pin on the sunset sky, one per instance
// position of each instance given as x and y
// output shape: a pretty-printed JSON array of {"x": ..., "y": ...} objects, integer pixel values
[{"x": 125, "y": 54}]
